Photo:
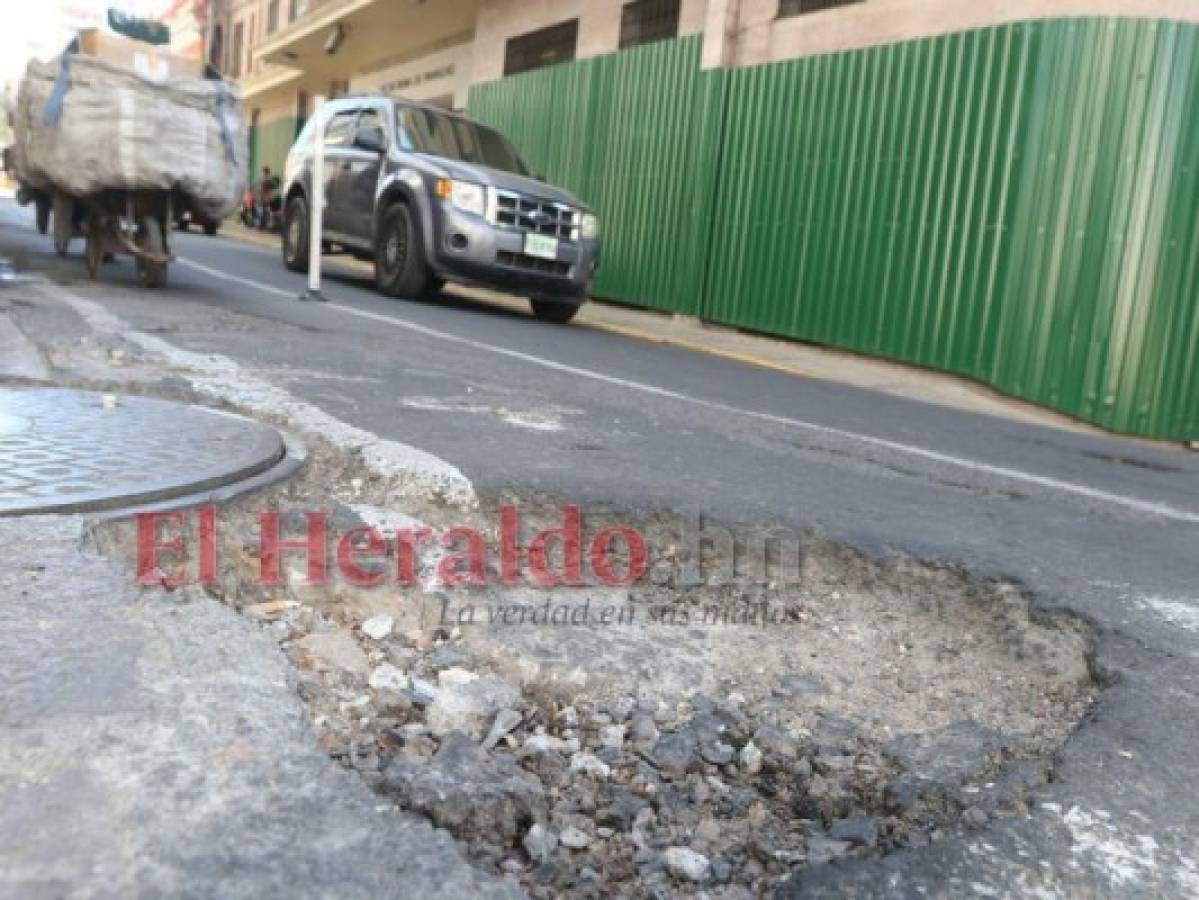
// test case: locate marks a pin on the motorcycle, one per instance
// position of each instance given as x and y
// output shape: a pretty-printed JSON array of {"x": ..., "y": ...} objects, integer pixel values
[
  {"x": 269, "y": 216},
  {"x": 270, "y": 207},
  {"x": 247, "y": 213}
]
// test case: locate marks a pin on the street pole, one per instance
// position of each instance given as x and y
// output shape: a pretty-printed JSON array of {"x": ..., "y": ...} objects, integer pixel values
[{"x": 316, "y": 218}]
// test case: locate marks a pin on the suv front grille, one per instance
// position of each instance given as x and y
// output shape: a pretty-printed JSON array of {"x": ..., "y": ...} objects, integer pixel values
[
  {"x": 535, "y": 216},
  {"x": 532, "y": 263}
]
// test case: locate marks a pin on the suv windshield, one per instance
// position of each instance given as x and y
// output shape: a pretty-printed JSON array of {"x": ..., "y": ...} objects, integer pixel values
[{"x": 438, "y": 134}]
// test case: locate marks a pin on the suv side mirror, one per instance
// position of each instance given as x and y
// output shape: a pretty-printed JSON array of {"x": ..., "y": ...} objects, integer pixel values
[{"x": 370, "y": 138}]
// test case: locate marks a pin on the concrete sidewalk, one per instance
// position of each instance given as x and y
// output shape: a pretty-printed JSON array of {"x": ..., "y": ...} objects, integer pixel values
[
  {"x": 150, "y": 746},
  {"x": 792, "y": 357}
]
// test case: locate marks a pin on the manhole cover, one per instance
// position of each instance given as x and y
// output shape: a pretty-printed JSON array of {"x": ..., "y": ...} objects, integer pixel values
[{"x": 67, "y": 451}]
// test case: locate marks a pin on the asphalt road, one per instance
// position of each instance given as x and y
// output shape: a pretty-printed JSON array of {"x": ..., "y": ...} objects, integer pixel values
[{"x": 1100, "y": 525}]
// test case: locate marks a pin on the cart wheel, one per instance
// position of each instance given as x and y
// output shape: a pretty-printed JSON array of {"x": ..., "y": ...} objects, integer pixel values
[
  {"x": 42, "y": 214},
  {"x": 64, "y": 223},
  {"x": 93, "y": 251},
  {"x": 150, "y": 238}
]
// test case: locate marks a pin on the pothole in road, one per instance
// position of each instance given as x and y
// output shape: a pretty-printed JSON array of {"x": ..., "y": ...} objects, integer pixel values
[{"x": 689, "y": 731}]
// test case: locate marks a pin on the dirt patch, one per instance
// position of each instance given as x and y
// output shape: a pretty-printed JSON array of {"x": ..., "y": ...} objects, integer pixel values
[{"x": 722, "y": 729}]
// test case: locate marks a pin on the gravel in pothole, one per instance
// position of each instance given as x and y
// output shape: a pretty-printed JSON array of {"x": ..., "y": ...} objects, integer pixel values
[{"x": 884, "y": 705}]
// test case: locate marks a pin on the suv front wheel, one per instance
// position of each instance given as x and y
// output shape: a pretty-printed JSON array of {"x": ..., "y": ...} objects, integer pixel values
[{"x": 400, "y": 267}]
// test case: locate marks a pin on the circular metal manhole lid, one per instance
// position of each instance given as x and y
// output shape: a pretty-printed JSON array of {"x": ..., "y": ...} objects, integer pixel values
[{"x": 65, "y": 451}]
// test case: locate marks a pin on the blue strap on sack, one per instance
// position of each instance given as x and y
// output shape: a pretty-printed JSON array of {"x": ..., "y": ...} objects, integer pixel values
[
  {"x": 53, "y": 111},
  {"x": 224, "y": 102}
]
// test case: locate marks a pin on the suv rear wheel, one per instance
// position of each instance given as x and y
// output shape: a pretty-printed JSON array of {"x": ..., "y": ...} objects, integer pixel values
[
  {"x": 295, "y": 235},
  {"x": 553, "y": 310},
  {"x": 400, "y": 268}
]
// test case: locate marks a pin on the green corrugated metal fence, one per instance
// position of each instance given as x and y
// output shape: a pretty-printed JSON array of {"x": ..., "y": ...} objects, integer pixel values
[
  {"x": 1019, "y": 204},
  {"x": 636, "y": 134},
  {"x": 271, "y": 145}
]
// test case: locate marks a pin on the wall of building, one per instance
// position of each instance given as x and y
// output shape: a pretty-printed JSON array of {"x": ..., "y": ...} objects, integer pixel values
[
  {"x": 749, "y": 32},
  {"x": 275, "y": 131},
  {"x": 599, "y": 27},
  {"x": 443, "y": 76}
]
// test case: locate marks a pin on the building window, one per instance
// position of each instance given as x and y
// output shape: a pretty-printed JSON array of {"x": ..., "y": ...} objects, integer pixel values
[
  {"x": 339, "y": 131},
  {"x": 272, "y": 17},
  {"x": 293, "y": 9},
  {"x": 645, "y": 21},
  {"x": 301, "y": 111},
  {"x": 800, "y": 7},
  {"x": 215, "y": 50},
  {"x": 541, "y": 48},
  {"x": 239, "y": 35},
  {"x": 249, "y": 70}
]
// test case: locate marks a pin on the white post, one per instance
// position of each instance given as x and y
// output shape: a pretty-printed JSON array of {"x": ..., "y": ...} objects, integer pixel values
[{"x": 316, "y": 217}]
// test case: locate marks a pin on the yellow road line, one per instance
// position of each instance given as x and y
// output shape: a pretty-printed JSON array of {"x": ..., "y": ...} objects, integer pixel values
[{"x": 696, "y": 346}]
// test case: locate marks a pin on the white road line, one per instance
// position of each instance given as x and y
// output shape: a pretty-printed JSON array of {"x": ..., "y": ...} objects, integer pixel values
[
  {"x": 235, "y": 279},
  {"x": 412, "y": 472},
  {"x": 1134, "y": 504}
]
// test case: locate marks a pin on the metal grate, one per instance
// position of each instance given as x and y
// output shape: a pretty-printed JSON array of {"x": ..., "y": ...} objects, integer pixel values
[
  {"x": 532, "y": 263},
  {"x": 537, "y": 216},
  {"x": 543, "y": 47},
  {"x": 646, "y": 21}
]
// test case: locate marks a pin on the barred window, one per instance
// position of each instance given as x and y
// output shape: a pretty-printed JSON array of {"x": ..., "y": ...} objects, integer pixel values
[
  {"x": 543, "y": 47},
  {"x": 799, "y": 7},
  {"x": 272, "y": 17},
  {"x": 645, "y": 21}
]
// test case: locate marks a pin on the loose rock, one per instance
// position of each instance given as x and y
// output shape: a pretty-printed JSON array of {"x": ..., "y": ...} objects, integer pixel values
[
  {"x": 612, "y": 736},
  {"x": 540, "y": 843},
  {"x": 675, "y": 753},
  {"x": 505, "y": 721},
  {"x": 475, "y": 795},
  {"x": 751, "y": 759},
  {"x": 378, "y": 627},
  {"x": 686, "y": 864},
  {"x": 331, "y": 651},
  {"x": 859, "y": 830},
  {"x": 589, "y": 764},
  {"x": 643, "y": 731},
  {"x": 574, "y": 838},
  {"x": 388, "y": 678},
  {"x": 467, "y": 702},
  {"x": 974, "y": 817},
  {"x": 717, "y": 753},
  {"x": 536, "y": 744}
]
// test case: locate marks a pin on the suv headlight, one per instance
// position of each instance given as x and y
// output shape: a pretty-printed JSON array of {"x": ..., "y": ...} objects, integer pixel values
[
  {"x": 589, "y": 227},
  {"x": 465, "y": 195}
]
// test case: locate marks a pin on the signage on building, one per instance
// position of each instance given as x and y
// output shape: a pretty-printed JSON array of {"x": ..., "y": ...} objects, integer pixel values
[
  {"x": 441, "y": 76},
  {"x": 407, "y": 82}
]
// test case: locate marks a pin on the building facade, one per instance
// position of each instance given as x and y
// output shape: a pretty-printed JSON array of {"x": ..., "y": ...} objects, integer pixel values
[{"x": 284, "y": 52}]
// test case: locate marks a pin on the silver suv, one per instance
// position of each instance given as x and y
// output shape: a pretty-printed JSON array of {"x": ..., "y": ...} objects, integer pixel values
[{"x": 431, "y": 196}]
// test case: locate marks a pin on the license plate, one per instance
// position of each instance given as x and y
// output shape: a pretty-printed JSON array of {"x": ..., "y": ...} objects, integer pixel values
[{"x": 541, "y": 246}]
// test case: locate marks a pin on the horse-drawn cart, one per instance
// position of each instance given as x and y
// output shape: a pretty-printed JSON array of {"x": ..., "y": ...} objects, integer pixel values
[
  {"x": 112, "y": 222},
  {"x": 113, "y": 153}
]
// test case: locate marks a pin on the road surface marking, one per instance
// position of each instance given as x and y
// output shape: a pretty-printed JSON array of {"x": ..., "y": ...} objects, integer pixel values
[
  {"x": 415, "y": 472},
  {"x": 1134, "y": 504}
]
